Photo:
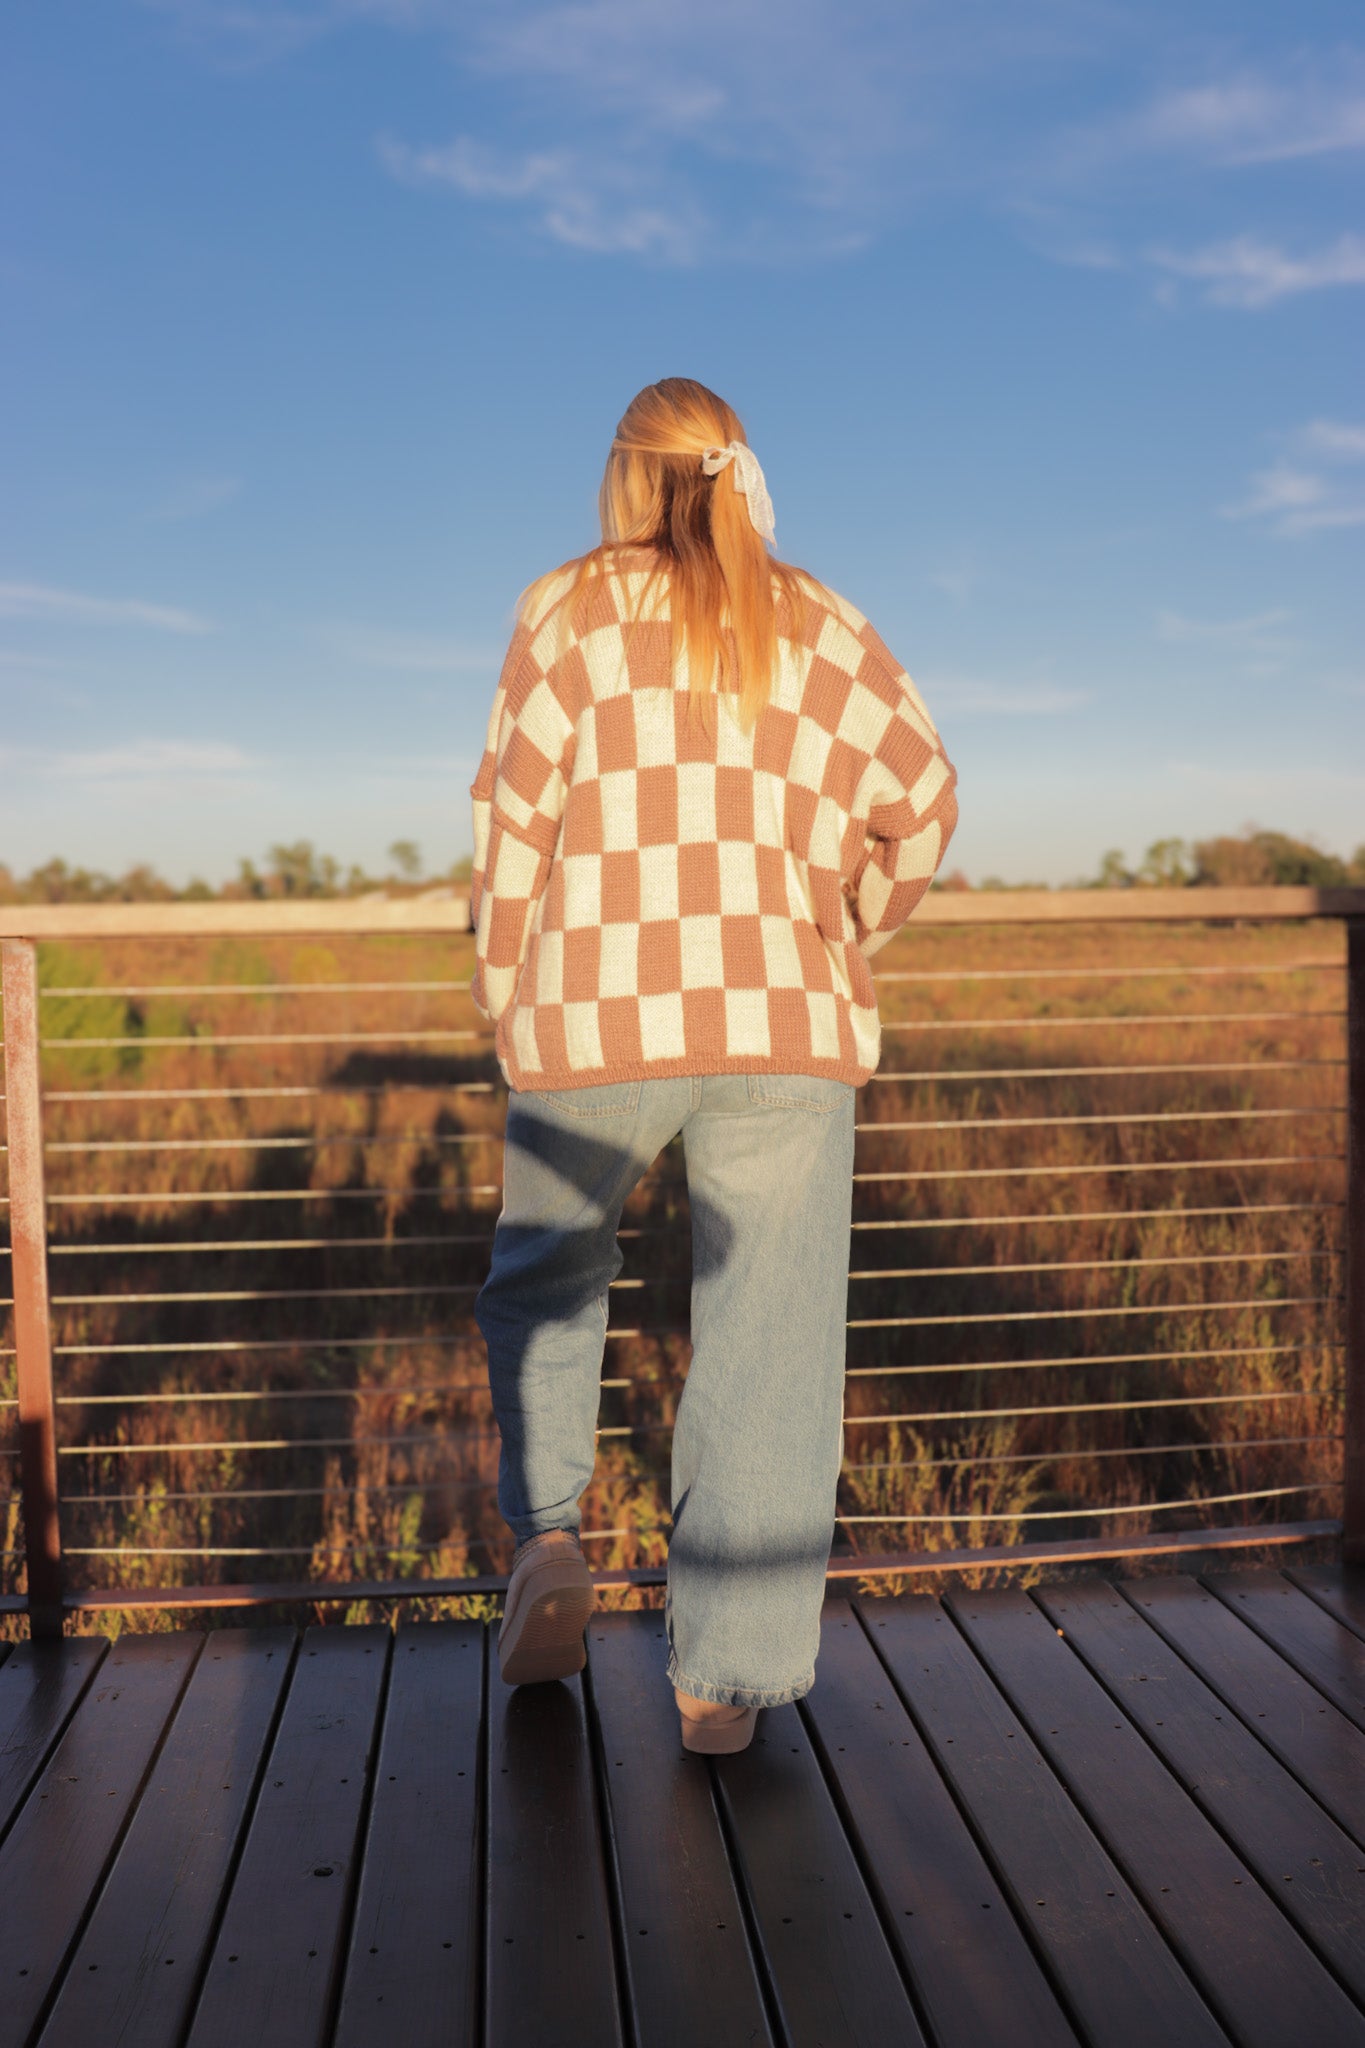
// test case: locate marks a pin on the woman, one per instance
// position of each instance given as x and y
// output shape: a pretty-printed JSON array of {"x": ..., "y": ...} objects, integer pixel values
[{"x": 709, "y": 794}]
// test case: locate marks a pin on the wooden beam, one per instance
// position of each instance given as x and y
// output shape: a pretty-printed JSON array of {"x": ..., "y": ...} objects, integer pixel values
[
  {"x": 32, "y": 1319},
  {"x": 236, "y": 919},
  {"x": 1165, "y": 1543},
  {"x": 433, "y": 914}
]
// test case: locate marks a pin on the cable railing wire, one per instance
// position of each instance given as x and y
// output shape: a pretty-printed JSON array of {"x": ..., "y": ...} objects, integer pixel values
[{"x": 1217, "y": 1362}]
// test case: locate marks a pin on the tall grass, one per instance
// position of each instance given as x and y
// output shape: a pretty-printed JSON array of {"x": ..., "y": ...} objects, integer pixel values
[{"x": 327, "y": 1416}]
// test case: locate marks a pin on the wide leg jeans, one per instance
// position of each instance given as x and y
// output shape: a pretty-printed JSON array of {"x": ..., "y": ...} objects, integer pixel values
[{"x": 758, "y": 1437}]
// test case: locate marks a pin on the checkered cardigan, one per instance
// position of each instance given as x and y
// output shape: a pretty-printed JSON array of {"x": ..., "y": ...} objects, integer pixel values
[{"x": 652, "y": 899}]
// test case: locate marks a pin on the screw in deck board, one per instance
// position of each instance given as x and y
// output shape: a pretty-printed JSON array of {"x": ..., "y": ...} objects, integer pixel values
[
  {"x": 1353, "y": 1502},
  {"x": 32, "y": 1317}
]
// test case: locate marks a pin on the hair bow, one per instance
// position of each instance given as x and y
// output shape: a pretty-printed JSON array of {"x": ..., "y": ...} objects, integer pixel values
[{"x": 748, "y": 478}]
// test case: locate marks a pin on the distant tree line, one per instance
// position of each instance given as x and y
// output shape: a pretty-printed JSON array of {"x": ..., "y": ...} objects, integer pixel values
[
  {"x": 1254, "y": 860},
  {"x": 286, "y": 871}
]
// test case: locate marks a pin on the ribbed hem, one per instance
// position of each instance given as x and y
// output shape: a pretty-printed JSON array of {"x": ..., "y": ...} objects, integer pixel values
[
  {"x": 738, "y": 1695},
  {"x": 687, "y": 1068}
]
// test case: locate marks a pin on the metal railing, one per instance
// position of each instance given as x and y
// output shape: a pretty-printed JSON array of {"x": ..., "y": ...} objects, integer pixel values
[{"x": 1162, "y": 1158}]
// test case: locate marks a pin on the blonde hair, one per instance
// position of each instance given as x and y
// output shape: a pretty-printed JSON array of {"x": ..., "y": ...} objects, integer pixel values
[{"x": 724, "y": 588}]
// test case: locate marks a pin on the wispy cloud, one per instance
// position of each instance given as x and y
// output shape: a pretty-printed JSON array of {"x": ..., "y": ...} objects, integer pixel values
[
  {"x": 1307, "y": 491},
  {"x": 586, "y": 204},
  {"x": 1262, "y": 633},
  {"x": 74, "y": 607},
  {"x": 1307, "y": 109},
  {"x": 143, "y": 760},
  {"x": 413, "y": 653},
  {"x": 1257, "y": 645},
  {"x": 1249, "y": 273}
]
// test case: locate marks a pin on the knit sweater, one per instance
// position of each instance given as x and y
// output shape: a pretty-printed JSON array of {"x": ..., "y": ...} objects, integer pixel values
[{"x": 654, "y": 899}]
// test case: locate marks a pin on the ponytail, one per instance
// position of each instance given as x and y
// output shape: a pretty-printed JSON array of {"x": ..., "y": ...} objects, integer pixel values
[{"x": 723, "y": 586}]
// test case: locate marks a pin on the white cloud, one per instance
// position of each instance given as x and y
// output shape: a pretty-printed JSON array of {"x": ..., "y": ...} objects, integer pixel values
[
  {"x": 1261, "y": 634},
  {"x": 1336, "y": 439},
  {"x": 585, "y": 204},
  {"x": 1250, "y": 118},
  {"x": 1250, "y": 273},
  {"x": 74, "y": 607},
  {"x": 1293, "y": 498},
  {"x": 146, "y": 759}
]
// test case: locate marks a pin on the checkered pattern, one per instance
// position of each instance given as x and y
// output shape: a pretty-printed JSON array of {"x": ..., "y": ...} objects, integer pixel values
[{"x": 652, "y": 899}]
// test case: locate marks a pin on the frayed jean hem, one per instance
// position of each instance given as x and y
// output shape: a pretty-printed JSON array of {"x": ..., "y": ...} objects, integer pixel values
[{"x": 738, "y": 1695}]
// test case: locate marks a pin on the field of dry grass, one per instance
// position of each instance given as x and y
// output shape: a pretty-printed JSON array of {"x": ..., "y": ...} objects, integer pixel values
[{"x": 1098, "y": 1180}]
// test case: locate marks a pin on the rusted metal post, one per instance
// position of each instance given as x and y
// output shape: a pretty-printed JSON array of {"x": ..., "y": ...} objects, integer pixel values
[
  {"x": 1353, "y": 1501},
  {"x": 32, "y": 1320}
]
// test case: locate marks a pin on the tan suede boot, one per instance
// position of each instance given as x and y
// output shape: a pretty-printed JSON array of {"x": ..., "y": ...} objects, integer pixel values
[
  {"x": 713, "y": 1727},
  {"x": 549, "y": 1598}
]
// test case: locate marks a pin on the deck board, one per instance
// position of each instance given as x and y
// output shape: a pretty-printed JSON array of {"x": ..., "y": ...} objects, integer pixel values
[
  {"x": 134, "y": 1973},
  {"x": 414, "y": 1962},
  {"x": 690, "y": 1974},
  {"x": 550, "y": 1970},
  {"x": 1338, "y": 1588},
  {"x": 976, "y": 1988},
  {"x": 56, "y": 1852},
  {"x": 833, "y": 1975},
  {"x": 40, "y": 1684},
  {"x": 277, "y": 1959},
  {"x": 1311, "y": 1737},
  {"x": 1293, "y": 1845},
  {"x": 1264, "y": 1982},
  {"x": 1319, "y": 1646},
  {"x": 1124, "y": 1986},
  {"x": 357, "y": 1837}
]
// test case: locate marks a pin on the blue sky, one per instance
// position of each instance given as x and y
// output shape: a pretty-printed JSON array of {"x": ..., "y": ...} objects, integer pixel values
[{"x": 1044, "y": 322}]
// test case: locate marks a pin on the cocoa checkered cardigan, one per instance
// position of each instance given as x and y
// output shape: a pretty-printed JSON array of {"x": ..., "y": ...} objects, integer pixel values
[{"x": 651, "y": 899}]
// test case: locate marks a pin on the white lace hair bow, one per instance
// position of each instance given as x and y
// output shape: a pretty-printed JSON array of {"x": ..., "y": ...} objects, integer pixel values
[{"x": 748, "y": 478}]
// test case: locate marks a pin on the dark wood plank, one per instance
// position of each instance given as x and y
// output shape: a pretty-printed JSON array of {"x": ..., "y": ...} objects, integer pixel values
[
  {"x": 1256, "y": 1972},
  {"x": 550, "y": 1966},
  {"x": 1313, "y": 1641},
  {"x": 277, "y": 1959},
  {"x": 834, "y": 1979},
  {"x": 66, "y": 1830},
  {"x": 132, "y": 1978},
  {"x": 412, "y": 1975},
  {"x": 1114, "y": 1971},
  {"x": 690, "y": 1975},
  {"x": 1295, "y": 1849},
  {"x": 1324, "y": 1750},
  {"x": 977, "y": 1980},
  {"x": 1338, "y": 1588},
  {"x": 40, "y": 1685}
]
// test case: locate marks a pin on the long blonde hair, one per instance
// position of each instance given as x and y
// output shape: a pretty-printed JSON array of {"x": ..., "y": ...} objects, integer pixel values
[{"x": 724, "y": 588}]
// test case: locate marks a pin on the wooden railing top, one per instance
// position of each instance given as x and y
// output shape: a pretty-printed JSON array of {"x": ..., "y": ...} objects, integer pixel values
[{"x": 443, "y": 914}]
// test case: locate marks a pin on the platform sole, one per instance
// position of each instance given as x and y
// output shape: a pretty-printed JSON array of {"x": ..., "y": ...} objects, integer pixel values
[
  {"x": 719, "y": 1738},
  {"x": 541, "y": 1638}
]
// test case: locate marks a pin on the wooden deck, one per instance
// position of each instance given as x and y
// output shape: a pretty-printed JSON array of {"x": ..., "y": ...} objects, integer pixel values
[{"x": 1120, "y": 1814}]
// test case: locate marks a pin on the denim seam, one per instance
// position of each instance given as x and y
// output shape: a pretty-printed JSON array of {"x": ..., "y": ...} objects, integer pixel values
[
  {"x": 587, "y": 1115},
  {"x": 795, "y": 1102}
]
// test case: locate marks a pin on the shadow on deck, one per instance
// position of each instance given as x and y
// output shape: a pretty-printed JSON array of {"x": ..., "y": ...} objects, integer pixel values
[{"x": 1117, "y": 1814}]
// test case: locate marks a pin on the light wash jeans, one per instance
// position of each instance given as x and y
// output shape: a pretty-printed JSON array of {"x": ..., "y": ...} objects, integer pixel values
[{"x": 758, "y": 1439}]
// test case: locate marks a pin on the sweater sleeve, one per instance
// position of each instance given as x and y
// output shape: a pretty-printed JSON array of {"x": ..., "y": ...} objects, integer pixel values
[
  {"x": 518, "y": 799},
  {"x": 908, "y": 796}
]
